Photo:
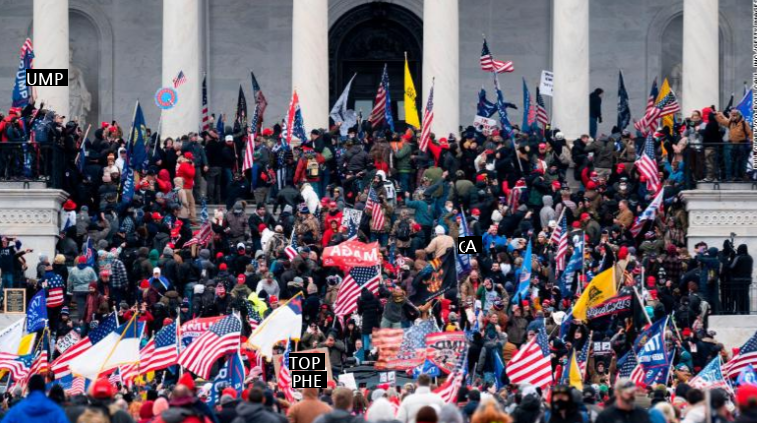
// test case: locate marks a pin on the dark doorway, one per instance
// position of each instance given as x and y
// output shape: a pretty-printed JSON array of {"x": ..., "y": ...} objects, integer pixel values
[{"x": 366, "y": 38}]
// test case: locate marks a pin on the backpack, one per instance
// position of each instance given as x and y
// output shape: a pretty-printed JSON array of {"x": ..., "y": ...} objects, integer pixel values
[
  {"x": 313, "y": 168},
  {"x": 403, "y": 230},
  {"x": 41, "y": 129}
]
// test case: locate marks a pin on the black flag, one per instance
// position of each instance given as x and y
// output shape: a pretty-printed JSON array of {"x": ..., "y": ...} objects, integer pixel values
[
  {"x": 624, "y": 109},
  {"x": 438, "y": 278},
  {"x": 240, "y": 120}
]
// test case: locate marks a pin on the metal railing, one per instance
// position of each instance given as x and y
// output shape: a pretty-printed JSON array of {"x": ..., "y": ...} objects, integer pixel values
[
  {"x": 31, "y": 162},
  {"x": 735, "y": 297},
  {"x": 718, "y": 163}
]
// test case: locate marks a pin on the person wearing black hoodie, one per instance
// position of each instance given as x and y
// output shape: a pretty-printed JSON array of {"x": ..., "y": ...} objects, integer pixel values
[
  {"x": 370, "y": 308},
  {"x": 528, "y": 409},
  {"x": 741, "y": 278},
  {"x": 563, "y": 407},
  {"x": 254, "y": 411}
]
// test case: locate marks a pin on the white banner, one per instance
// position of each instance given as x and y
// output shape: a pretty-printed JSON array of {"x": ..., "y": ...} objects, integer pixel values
[
  {"x": 67, "y": 341},
  {"x": 485, "y": 125},
  {"x": 547, "y": 83},
  {"x": 351, "y": 215}
]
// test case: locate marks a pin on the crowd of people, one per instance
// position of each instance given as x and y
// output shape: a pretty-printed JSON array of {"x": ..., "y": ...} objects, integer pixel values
[{"x": 148, "y": 255}]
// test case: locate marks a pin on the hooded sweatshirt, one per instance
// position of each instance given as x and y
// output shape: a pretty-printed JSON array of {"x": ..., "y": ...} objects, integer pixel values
[
  {"x": 547, "y": 213},
  {"x": 36, "y": 408}
]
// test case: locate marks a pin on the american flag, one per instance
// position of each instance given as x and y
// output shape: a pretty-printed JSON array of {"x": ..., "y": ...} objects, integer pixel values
[
  {"x": 205, "y": 234},
  {"x": 260, "y": 100},
  {"x": 180, "y": 79},
  {"x": 291, "y": 249},
  {"x": 220, "y": 339},
  {"x": 90, "y": 252},
  {"x": 583, "y": 357},
  {"x": 648, "y": 214},
  {"x": 428, "y": 119},
  {"x": 541, "y": 109},
  {"x": 249, "y": 148},
  {"x": 532, "y": 364},
  {"x": 18, "y": 366},
  {"x": 253, "y": 317},
  {"x": 41, "y": 363},
  {"x": 293, "y": 123},
  {"x": 377, "y": 212},
  {"x": 284, "y": 378},
  {"x": 161, "y": 351},
  {"x": 631, "y": 368},
  {"x": 205, "y": 118},
  {"x": 382, "y": 107},
  {"x": 352, "y": 285},
  {"x": 560, "y": 238},
  {"x": 747, "y": 355},
  {"x": 647, "y": 165},
  {"x": 27, "y": 46},
  {"x": 78, "y": 386},
  {"x": 114, "y": 377},
  {"x": 55, "y": 286},
  {"x": 644, "y": 124},
  {"x": 488, "y": 63},
  {"x": 60, "y": 365},
  {"x": 448, "y": 390}
]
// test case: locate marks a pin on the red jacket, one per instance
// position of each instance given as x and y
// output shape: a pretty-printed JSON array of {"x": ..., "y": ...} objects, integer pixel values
[
  {"x": 164, "y": 181},
  {"x": 187, "y": 172},
  {"x": 301, "y": 174}
]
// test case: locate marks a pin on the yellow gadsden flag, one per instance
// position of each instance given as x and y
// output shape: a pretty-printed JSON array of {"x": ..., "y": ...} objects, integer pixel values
[
  {"x": 411, "y": 110},
  {"x": 668, "y": 99},
  {"x": 574, "y": 373},
  {"x": 601, "y": 288}
]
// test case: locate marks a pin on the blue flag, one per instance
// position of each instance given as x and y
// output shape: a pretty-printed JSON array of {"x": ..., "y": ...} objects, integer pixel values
[
  {"x": 651, "y": 352},
  {"x": 230, "y": 375},
  {"x": 36, "y": 313},
  {"x": 574, "y": 265},
  {"x": 624, "y": 109},
  {"x": 485, "y": 107},
  {"x": 137, "y": 147},
  {"x": 711, "y": 377},
  {"x": 220, "y": 128},
  {"x": 388, "y": 108},
  {"x": 462, "y": 263},
  {"x": 745, "y": 107},
  {"x": 747, "y": 376},
  {"x": 127, "y": 184},
  {"x": 525, "y": 127},
  {"x": 507, "y": 127},
  {"x": 524, "y": 277},
  {"x": 21, "y": 92},
  {"x": 90, "y": 253},
  {"x": 428, "y": 368}
]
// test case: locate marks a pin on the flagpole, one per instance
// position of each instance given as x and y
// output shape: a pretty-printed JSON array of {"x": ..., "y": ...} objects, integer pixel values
[
  {"x": 112, "y": 350},
  {"x": 178, "y": 340},
  {"x": 83, "y": 139},
  {"x": 638, "y": 297}
]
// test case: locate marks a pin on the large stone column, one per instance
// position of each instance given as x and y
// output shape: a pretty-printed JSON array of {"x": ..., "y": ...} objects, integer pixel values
[
  {"x": 310, "y": 64},
  {"x": 51, "y": 49},
  {"x": 701, "y": 44},
  {"x": 570, "y": 62},
  {"x": 441, "y": 63},
  {"x": 181, "y": 52}
]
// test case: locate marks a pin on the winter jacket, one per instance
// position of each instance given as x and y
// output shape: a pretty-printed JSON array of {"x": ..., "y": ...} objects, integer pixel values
[
  {"x": 355, "y": 159},
  {"x": 79, "y": 279},
  {"x": 187, "y": 171},
  {"x": 370, "y": 308},
  {"x": 738, "y": 131},
  {"x": 36, "y": 408},
  {"x": 307, "y": 410},
  {"x": 604, "y": 152}
]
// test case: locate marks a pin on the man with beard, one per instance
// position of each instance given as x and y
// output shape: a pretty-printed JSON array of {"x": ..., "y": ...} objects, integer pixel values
[{"x": 623, "y": 409}]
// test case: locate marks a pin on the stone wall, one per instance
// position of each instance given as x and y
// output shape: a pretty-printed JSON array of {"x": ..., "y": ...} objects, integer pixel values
[{"x": 715, "y": 214}]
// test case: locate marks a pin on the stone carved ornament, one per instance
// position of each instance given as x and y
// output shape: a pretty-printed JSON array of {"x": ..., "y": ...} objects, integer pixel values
[
  {"x": 26, "y": 217},
  {"x": 723, "y": 218}
]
